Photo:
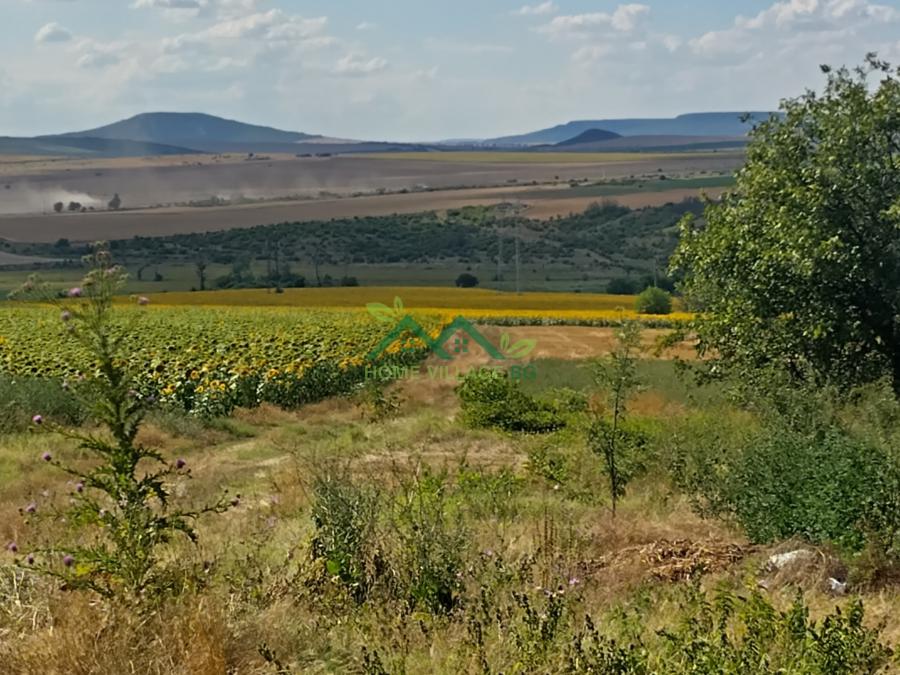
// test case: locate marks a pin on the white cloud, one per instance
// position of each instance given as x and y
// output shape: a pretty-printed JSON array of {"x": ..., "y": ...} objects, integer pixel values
[
  {"x": 274, "y": 28},
  {"x": 168, "y": 4},
  {"x": 272, "y": 25},
  {"x": 179, "y": 10},
  {"x": 93, "y": 54},
  {"x": 366, "y": 25},
  {"x": 461, "y": 47},
  {"x": 671, "y": 42},
  {"x": 53, "y": 32},
  {"x": 592, "y": 53},
  {"x": 540, "y": 9},
  {"x": 787, "y": 21},
  {"x": 355, "y": 65},
  {"x": 624, "y": 19}
]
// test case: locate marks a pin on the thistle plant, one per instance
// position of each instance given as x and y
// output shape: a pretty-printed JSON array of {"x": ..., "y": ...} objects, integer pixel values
[{"x": 122, "y": 495}]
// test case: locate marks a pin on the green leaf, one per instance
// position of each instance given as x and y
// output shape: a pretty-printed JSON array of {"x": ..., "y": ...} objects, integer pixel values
[
  {"x": 521, "y": 349},
  {"x": 381, "y": 312},
  {"x": 504, "y": 342},
  {"x": 398, "y": 306}
]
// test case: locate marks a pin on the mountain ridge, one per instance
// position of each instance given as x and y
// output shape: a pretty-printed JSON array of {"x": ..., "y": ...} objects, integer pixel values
[{"x": 688, "y": 124}]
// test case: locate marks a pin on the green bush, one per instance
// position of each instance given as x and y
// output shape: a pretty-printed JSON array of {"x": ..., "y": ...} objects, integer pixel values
[
  {"x": 21, "y": 398},
  {"x": 429, "y": 540},
  {"x": 345, "y": 517},
  {"x": 486, "y": 493},
  {"x": 736, "y": 634},
  {"x": 492, "y": 401},
  {"x": 566, "y": 399},
  {"x": 654, "y": 301},
  {"x": 407, "y": 544},
  {"x": 780, "y": 482}
]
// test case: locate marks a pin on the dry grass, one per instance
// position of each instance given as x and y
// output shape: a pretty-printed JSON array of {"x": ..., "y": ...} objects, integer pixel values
[{"x": 261, "y": 595}]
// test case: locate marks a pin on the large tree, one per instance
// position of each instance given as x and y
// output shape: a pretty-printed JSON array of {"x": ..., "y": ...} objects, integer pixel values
[{"x": 798, "y": 267}]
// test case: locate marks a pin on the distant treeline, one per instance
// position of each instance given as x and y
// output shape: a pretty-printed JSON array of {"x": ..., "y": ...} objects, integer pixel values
[{"x": 630, "y": 246}]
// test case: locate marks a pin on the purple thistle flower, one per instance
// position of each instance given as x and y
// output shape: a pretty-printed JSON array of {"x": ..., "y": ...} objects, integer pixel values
[
  {"x": 46, "y": 457},
  {"x": 12, "y": 547},
  {"x": 79, "y": 487},
  {"x": 31, "y": 508},
  {"x": 37, "y": 419},
  {"x": 180, "y": 464},
  {"x": 30, "y": 559},
  {"x": 143, "y": 300},
  {"x": 236, "y": 501},
  {"x": 68, "y": 560},
  {"x": 66, "y": 315},
  {"x": 75, "y": 292}
]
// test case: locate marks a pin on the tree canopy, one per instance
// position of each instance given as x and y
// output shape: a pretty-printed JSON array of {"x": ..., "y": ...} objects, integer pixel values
[{"x": 798, "y": 267}]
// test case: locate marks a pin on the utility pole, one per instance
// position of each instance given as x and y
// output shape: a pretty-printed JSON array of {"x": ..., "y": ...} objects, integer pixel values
[
  {"x": 499, "y": 257},
  {"x": 518, "y": 261}
]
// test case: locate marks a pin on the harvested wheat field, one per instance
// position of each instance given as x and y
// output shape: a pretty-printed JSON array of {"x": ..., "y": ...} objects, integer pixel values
[{"x": 185, "y": 194}]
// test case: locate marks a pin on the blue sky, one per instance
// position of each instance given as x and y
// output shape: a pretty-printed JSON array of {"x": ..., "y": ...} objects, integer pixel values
[{"x": 425, "y": 70}]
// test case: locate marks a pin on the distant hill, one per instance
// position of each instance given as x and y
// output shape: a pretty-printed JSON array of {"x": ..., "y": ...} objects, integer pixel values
[
  {"x": 185, "y": 129},
  {"x": 693, "y": 124},
  {"x": 164, "y": 133},
  {"x": 86, "y": 147},
  {"x": 582, "y": 143},
  {"x": 589, "y": 136}
]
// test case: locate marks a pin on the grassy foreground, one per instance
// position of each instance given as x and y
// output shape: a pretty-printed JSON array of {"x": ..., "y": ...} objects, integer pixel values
[{"x": 492, "y": 552}]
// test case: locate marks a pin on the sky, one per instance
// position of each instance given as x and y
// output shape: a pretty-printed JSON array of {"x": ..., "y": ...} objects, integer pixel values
[{"x": 420, "y": 70}]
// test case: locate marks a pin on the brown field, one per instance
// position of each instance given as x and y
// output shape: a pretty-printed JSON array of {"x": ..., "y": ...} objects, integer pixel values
[
  {"x": 285, "y": 188},
  {"x": 178, "y": 220},
  {"x": 36, "y": 165}
]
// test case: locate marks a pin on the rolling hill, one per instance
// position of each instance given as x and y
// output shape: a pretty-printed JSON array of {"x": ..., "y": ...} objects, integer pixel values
[
  {"x": 583, "y": 143},
  {"x": 727, "y": 124},
  {"x": 54, "y": 146},
  {"x": 589, "y": 136},
  {"x": 164, "y": 133},
  {"x": 167, "y": 133},
  {"x": 185, "y": 129}
]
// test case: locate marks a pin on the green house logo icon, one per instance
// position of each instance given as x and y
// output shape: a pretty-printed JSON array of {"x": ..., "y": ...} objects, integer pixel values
[{"x": 463, "y": 332}]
